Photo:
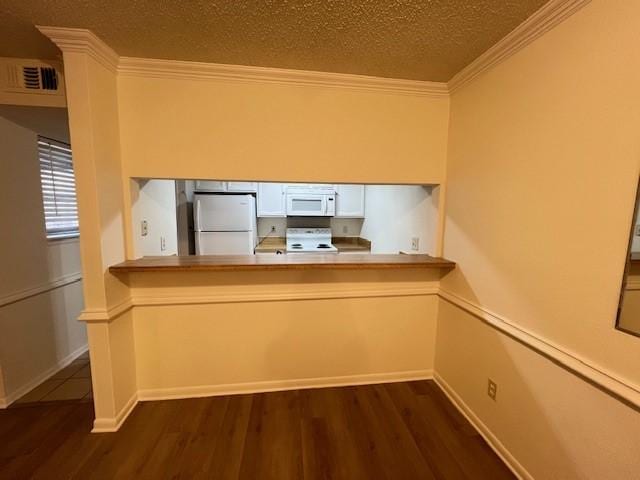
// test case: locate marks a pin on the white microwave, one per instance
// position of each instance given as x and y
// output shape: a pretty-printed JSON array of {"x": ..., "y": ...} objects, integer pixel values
[{"x": 311, "y": 204}]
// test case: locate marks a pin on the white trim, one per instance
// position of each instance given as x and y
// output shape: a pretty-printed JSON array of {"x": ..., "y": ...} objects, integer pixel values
[
  {"x": 618, "y": 387},
  {"x": 30, "y": 385},
  {"x": 505, "y": 455},
  {"x": 182, "y": 70},
  {"x": 38, "y": 289},
  {"x": 244, "y": 297},
  {"x": 599, "y": 376},
  {"x": 546, "y": 18},
  {"x": 106, "y": 315},
  {"x": 81, "y": 40},
  {"x": 280, "y": 385},
  {"x": 73, "y": 239},
  {"x": 102, "y": 425}
]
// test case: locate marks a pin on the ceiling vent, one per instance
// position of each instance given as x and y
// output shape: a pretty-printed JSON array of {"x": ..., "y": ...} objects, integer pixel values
[{"x": 30, "y": 76}]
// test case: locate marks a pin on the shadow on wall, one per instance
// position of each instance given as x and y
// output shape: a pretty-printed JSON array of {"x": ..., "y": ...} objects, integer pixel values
[
  {"x": 40, "y": 294},
  {"x": 35, "y": 338}
]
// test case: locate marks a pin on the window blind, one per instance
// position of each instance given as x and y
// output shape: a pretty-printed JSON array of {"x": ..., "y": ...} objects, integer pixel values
[{"x": 58, "y": 189}]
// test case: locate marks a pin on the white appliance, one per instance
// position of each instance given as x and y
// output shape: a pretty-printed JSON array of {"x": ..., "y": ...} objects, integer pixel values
[
  {"x": 311, "y": 200},
  {"x": 306, "y": 240},
  {"x": 225, "y": 224}
]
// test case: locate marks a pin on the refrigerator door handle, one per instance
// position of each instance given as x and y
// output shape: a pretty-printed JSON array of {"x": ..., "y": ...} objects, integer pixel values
[{"x": 198, "y": 215}]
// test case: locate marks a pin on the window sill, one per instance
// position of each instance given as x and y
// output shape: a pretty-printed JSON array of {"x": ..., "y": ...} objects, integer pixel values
[{"x": 61, "y": 240}]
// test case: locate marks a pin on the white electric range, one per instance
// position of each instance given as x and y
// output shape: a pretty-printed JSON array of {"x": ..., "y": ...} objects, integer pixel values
[{"x": 309, "y": 240}]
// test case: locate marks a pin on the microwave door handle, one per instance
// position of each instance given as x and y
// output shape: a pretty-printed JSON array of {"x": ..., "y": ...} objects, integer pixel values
[{"x": 325, "y": 206}]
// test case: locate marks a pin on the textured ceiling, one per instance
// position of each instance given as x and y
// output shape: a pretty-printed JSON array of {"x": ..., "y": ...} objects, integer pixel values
[{"x": 409, "y": 39}]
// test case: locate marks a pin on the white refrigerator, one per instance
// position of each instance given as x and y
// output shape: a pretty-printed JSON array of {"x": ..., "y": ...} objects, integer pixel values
[{"x": 225, "y": 224}]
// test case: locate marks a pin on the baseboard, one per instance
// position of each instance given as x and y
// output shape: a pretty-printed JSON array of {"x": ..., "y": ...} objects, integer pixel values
[
  {"x": 510, "y": 461},
  {"x": 27, "y": 387},
  {"x": 278, "y": 385},
  {"x": 103, "y": 425}
]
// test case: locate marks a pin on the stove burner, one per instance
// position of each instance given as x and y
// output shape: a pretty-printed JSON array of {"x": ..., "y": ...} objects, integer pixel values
[{"x": 323, "y": 245}]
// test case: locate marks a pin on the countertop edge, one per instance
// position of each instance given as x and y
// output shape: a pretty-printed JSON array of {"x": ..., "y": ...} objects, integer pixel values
[{"x": 281, "y": 262}]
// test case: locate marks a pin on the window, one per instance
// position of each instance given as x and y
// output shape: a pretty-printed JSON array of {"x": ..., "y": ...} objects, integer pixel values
[{"x": 58, "y": 189}]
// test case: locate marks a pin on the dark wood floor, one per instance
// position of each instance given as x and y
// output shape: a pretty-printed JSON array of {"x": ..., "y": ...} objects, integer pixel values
[{"x": 392, "y": 431}]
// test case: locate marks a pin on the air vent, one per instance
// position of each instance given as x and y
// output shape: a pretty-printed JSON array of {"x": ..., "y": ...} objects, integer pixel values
[
  {"x": 31, "y": 77},
  {"x": 30, "y": 82},
  {"x": 37, "y": 78},
  {"x": 49, "y": 78}
]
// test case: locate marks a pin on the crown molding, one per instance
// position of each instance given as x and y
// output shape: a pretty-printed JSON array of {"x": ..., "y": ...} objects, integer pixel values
[
  {"x": 547, "y": 17},
  {"x": 81, "y": 40},
  {"x": 181, "y": 70}
]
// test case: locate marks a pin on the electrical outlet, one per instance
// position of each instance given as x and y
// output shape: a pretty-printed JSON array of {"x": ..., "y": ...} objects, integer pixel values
[
  {"x": 163, "y": 244},
  {"x": 144, "y": 228},
  {"x": 345, "y": 229},
  {"x": 415, "y": 243},
  {"x": 492, "y": 389}
]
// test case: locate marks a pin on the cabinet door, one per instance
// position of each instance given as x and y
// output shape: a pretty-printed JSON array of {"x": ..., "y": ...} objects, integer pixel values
[
  {"x": 244, "y": 187},
  {"x": 350, "y": 201},
  {"x": 210, "y": 186},
  {"x": 271, "y": 200}
]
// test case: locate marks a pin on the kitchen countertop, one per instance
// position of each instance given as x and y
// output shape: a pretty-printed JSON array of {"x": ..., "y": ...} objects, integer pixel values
[
  {"x": 279, "y": 262},
  {"x": 351, "y": 244},
  {"x": 343, "y": 244},
  {"x": 272, "y": 245}
]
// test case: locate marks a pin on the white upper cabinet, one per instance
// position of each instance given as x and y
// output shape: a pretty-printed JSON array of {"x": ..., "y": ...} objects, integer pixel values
[
  {"x": 272, "y": 200},
  {"x": 244, "y": 187},
  {"x": 234, "y": 187},
  {"x": 350, "y": 201},
  {"x": 210, "y": 186}
]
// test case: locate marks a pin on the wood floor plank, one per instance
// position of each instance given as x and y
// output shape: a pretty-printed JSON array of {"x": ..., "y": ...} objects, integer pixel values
[
  {"x": 415, "y": 415},
  {"x": 272, "y": 447},
  {"x": 398, "y": 450},
  {"x": 330, "y": 443},
  {"x": 406, "y": 430}
]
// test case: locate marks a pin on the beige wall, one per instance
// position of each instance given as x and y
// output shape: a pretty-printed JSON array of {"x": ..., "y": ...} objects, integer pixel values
[
  {"x": 394, "y": 214},
  {"x": 218, "y": 332},
  {"x": 154, "y": 201},
  {"x": 556, "y": 425},
  {"x": 229, "y": 346},
  {"x": 544, "y": 155},
  {"x": 40, "y": 288},
  {"x": 257, "y": 131}
]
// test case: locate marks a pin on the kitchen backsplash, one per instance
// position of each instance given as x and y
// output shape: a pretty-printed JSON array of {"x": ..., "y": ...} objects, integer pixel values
[{"x": 340, "y": 227}]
